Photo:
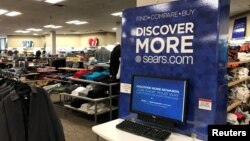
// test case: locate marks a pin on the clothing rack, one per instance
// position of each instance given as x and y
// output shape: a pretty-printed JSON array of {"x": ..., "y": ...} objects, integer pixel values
[
  {"x": 20, "y": 112},
  {"x": 8, "y": 74}
]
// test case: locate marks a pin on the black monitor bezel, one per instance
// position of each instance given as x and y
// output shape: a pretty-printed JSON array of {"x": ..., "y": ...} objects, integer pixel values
[{"x": 157, "y": 116}]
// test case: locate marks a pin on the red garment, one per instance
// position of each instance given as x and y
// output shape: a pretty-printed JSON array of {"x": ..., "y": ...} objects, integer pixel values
[
  {"x": 245, "y": 47},
  {"x": 240, "y": 116},
  {"x": 90, "y": 41},
  {"x": 80, "y": 73}
]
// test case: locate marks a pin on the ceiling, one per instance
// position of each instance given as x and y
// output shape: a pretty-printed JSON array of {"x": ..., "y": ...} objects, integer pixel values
[
  {"x": 239, "y": 6},
  {"x": 37, "y": 14}
]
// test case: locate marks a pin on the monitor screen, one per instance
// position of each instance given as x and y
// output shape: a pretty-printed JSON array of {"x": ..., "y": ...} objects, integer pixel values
[{"x": 159, "y": 97}]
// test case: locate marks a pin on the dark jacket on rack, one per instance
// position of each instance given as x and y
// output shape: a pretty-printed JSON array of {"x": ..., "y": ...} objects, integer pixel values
[
  {"x": 114, "y": 61},
  {"x": 41, "y": 122}
]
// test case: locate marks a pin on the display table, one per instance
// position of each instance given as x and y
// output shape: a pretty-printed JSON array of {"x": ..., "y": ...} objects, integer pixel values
[
  {"x": 29, "y": 74},
  {"x": 71, "y": 69},
  {"x": 108, "y": 131},
  {"x": 46, "y": 71}
]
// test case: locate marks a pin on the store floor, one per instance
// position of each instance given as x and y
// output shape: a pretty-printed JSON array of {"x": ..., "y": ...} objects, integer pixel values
[{"x": 76, "y": 128}]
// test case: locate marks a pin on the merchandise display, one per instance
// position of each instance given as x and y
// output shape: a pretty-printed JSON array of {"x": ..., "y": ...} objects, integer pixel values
[
  {"x": 28, "y": 101},
  {"x": 102, "y": 54},
  {"x": 238, "y": 93},
  {"x": 131, "y": 70}
]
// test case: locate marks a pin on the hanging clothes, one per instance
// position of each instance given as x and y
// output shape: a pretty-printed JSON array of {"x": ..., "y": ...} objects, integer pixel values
[
  {"x": 114, "y": 61},
  {"x": 27, "y": 114},
  {"x": 102, "y": 55}
]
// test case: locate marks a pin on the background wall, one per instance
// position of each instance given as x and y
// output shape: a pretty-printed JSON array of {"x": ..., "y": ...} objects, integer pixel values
[
  {"x": 104, "y": 38},
  {"x": 111, "y": 38},
  {"x": 231, "y": 24},
  {"x": 16, "y": 41},
  {"x": 67, "y": 41},
  {"x": 62, "y": 41}
]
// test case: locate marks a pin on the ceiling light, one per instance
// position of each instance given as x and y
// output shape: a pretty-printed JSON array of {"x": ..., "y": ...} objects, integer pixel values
[
  {"x": 34, "y": 29},
  {"x": 117, "y": 14},
  {"x": 13, "y": 13},
  {"x": 72, "y": 22},
  {"x": 77, "y": 22},
  {"x": 3, "y": 11},
  {"x": 53, "y": 26},
  {"x": 80, "y": 23},
  {"x": 22, "y": 31},
  {"x": 53, "y": 1},
  {"x": 35, "y": 34},
  {"x": 57, "y": 26},
  {"x": 114, "y": 28},
  {"x": 48, "y": 26}
]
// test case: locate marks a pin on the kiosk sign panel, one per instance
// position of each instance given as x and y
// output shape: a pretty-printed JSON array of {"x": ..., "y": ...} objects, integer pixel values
[{"x": 181, "y": 39}]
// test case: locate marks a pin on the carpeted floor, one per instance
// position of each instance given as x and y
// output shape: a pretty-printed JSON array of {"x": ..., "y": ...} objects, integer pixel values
[{"x": 76, "y": 127}]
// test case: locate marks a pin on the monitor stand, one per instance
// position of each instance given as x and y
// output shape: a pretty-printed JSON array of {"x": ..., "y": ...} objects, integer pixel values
[{"x": 157, "y": 121}]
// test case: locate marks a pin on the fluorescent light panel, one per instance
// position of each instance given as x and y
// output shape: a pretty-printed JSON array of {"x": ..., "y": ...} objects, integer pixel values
[
  {"x": 48, "y": 26},
  {"x": 34, "y": 29},
  {"x": 22, "y": 31},
  {"x": 77, "y": 22},
  {"x": 72, "y": 22},
  {"x": 80, "y": 23},
  {"x": 3, "y": 11},
  {"x": 13, "y": 13},
  {"x": 52, "y": 26},
  {"x": 117, "y": 14},
  {"x": 58, "y": 26},
  {"x": 53, "y": 1}
]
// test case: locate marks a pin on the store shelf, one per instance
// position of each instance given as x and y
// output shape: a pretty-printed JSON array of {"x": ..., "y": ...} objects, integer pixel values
[
  {"x": 92, "y": 82},
  {"x": 238, "y": 81},
  {"x": 58, "y": 80},
  {"x": 238, "y": 62},
  {"x": 47, "y": 71},
  {"x": 102, "y": 65},
  {"x": 29, "y": 74},
  {"x": 89, "y": 99},
  {"x": 78, "y": 109},
  {"x": 235, "y": 104},
  {"x": 71, "y": 69}
]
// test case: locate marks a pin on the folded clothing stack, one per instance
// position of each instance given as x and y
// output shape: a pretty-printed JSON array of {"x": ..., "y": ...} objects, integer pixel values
[
  {"x": 233, "y": 53},
  {"x": 48, "y": 87},
  {"x": 239, "y": 117},
  {"x": 46, "y": 69},
  {"x": 94, "y": 91},
  {"x": 239, "y": 73},
  {"x": 76, "y": 103},
  {"x": 94, "y": 75},
  {"x": 240, "y": 92},
  {"x": 56, "y": 88},
  {"x": 90, "y": 107},
  {"x": 77, "y": 90},
  {"x": 71, "y": 88},
  {"x": 242, "y": 56}
]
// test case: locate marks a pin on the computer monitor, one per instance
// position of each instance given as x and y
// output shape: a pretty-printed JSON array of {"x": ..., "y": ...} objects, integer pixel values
[{"x": 159, "y": 100}]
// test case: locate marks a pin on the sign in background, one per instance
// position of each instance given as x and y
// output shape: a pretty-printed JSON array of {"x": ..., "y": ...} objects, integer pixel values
[
  {"x": 182, "y": 39},
  {"x": 27, "y": 43},
  {"x": 239, "y": 29},
  {"x": 73, "y": 59}
]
